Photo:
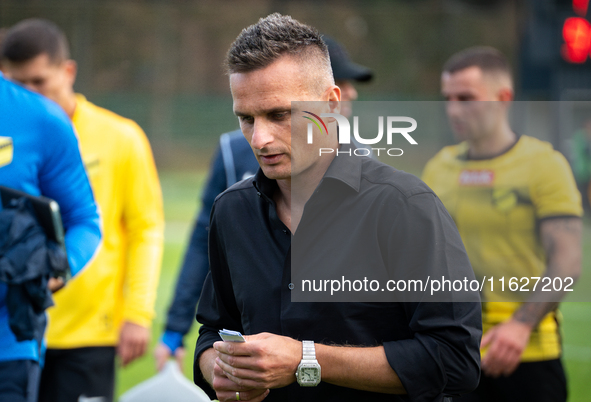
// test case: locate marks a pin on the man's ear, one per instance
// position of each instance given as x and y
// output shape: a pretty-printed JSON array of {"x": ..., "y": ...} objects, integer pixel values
[
  {"x": 71, "y": 69},
  {"x": 334, "y": 93},
  {"x": 334, "y": 97},
  {"x": 505, "y": 94}
]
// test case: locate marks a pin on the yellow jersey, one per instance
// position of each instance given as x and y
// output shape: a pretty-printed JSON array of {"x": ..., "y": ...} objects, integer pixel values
[
  {"x": 497, "y": 205},
  {"x": 120, "y": 283}
]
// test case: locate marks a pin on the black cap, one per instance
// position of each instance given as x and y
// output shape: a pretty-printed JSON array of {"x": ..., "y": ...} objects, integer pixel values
[{"x": 342, "y": 66}]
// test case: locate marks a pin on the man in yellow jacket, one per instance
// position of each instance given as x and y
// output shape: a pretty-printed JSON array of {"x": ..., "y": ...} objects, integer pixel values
[
  {"x": 107, "y": 310},
  {"x": 517, "y": 208}
]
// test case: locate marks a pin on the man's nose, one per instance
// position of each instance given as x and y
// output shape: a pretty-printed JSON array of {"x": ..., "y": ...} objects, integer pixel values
[{"x": 262, "y": 134}]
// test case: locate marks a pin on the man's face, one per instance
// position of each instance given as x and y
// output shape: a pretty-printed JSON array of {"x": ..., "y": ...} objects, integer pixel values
[
  {"x": 472, "y": 106},
  {"x": 262, "y": 102},
  {"x": 41, "y": 75}
]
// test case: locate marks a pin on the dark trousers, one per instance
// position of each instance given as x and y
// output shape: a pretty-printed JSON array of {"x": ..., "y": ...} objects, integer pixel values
[
  {"x": 69, "y": 373},
  {"x": 536, "y": 382},
  {"x": 19, "y": 380}
]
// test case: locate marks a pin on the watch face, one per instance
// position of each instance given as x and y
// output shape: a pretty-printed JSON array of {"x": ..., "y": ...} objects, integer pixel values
[{"x": 309, "y": 374}]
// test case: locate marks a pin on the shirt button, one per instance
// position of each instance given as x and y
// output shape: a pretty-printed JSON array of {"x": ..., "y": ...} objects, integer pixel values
[{"x": 291, "y": 286}]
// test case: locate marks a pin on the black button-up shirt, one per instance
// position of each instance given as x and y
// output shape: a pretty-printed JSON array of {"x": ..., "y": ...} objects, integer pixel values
[{"x": 432, "y": 347}]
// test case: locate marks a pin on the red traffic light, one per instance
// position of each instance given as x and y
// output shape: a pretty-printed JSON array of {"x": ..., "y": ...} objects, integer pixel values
[
  {"x": 577, "y": 39},
  {"x": 580, "y": 7}
]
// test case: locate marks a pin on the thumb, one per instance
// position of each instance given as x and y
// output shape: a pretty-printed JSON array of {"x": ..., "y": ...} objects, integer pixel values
[{"x": 487, "y": 338}]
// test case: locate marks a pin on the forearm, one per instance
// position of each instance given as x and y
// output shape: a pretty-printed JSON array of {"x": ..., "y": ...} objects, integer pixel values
[
  {"x": 540, "y": 303},
  {"x": 206, "y": 364},
  {"x": 532, "y": 313},
  {"x": 267, "y": 361},
  {"x": 359, "y": 368},
  {"x": 561, "y": 238}
]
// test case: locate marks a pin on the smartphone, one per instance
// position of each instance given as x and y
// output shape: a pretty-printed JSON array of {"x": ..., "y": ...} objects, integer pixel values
[{"x": 231, "y": 336}]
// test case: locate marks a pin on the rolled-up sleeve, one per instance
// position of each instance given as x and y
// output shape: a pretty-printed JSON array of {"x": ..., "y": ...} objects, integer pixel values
[{"x": 443, "y": 356}]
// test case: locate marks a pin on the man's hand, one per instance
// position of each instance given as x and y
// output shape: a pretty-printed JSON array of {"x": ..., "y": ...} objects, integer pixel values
[
  {"x": 224, "y": 387},
  {"x": 55, "y": 284},
  {"x": 162, "y": 353},
  {"x": 506, "y": 342},
  {"x": 133, "y": 341},
  {"x": 263, "y": 362}
]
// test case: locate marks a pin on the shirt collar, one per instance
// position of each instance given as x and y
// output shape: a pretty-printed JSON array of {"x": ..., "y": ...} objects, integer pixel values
[
  {"x": 463, "y": 154},
  {"x": 344, "y": 168}
]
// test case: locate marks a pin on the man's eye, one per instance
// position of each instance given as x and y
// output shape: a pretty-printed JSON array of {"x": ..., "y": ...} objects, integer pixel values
[
  {"x": 280, "y": 116},
  {"x": 246, "y": 119},
  {"x": 38, "y": 83}
]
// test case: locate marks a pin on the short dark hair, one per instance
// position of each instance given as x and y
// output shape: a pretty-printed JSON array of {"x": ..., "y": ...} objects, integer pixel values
[
  {"x": 270, "y": 38},
  {"x": 488, "y": 59},
  {"x": 33, "y": 37}
]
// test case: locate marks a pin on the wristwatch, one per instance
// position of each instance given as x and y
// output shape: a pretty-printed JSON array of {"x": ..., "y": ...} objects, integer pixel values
[{"x": 308, "y": 372}]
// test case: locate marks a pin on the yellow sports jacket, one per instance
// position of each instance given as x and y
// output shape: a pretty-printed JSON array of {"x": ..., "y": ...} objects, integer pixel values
[{"x": 120, "y": 283}]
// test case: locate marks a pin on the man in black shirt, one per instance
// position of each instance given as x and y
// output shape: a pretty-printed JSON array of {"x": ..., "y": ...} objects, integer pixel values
[{"x": 417, "y": 350}]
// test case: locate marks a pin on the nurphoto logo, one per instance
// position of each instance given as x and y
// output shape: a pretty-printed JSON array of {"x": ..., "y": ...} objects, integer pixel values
[{"x": 345, "y": 133}]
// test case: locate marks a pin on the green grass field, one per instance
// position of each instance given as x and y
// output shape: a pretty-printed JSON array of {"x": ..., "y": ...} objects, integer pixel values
[{"x": 181, "y": 190}]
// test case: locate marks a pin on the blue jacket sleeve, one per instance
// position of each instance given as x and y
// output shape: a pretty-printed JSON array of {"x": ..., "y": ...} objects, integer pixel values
[
  {"x": 63, "y": 178},
  {"x": 181, "y": 314}
]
